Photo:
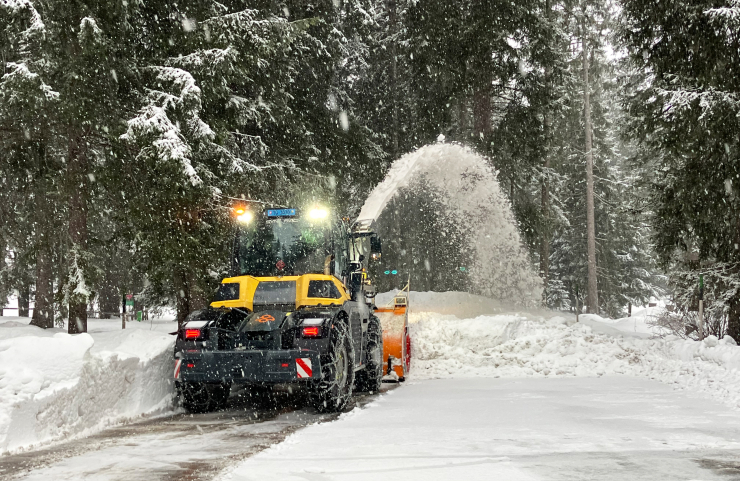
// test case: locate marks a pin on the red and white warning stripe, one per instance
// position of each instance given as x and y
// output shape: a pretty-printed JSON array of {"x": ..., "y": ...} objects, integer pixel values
[
  {"x": 178, "y": 363},
  {"x": 303, "y": 367}
]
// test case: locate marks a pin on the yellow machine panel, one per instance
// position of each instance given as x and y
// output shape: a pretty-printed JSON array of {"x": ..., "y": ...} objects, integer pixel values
[{"x": 248, "y": 286}]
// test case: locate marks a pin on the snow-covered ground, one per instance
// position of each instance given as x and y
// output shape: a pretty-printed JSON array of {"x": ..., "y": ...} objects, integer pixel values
[
  {"x": 55, "y": 386},
  {"x": 494, "y": 393},
  {"x": 608, "y": 428},
  {"x": 501, "y": 394}
]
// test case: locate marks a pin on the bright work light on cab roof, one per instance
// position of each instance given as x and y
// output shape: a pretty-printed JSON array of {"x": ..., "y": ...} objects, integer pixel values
[
  {"x": 318, "y": 213},
  {"x": 245, "y": 217}
]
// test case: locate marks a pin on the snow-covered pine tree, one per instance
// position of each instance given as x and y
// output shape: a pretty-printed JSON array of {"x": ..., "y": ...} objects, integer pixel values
[
  {"x": 27, "y": 111},
  {"x": 685, "y": 114},
  {"x": 234, "y": 102},
  {"x": 626, "y": 270}
]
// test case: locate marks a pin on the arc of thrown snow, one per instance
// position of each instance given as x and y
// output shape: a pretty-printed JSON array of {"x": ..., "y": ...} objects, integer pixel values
[
  {"x": 397, "y": 177},
  {"x": 501, "y": 267}
]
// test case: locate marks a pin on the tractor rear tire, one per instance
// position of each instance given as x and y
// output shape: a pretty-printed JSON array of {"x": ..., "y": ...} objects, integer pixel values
[
  {"x": 334, "y": 390},
  {"x": 201, "y": 397},
  {"x": 259, "y": 395},
  {"x": 370, "y": 378}
]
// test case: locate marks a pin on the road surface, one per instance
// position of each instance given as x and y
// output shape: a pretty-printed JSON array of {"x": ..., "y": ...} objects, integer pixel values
[
  {"x": 612, "y": 428},
  {"x": 181, "y": 447}
]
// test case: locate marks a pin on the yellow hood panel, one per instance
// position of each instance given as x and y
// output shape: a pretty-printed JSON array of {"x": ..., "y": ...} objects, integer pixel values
[{"x": 248, "y": 286}]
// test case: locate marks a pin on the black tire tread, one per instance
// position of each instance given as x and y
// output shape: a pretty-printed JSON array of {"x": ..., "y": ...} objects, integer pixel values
[
  {"x": 371, "y": 377},
  {"x": 326, "y": 397}
]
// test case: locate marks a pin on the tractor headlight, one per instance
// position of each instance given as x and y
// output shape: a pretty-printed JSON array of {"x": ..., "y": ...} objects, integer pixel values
[
  {"x": 318, "y": 214},
  {"x": 245, "y": 217}
]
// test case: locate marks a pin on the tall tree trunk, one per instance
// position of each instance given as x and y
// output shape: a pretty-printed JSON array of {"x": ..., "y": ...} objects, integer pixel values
[
  {"x": 733, "y": 316},
  {"x": 77, "y": 182},
  {"x": 108, "y": 298},
  {"x": 197, "y": 298},
  {"x": 545, "y": 197},
  {"x": 592, "y": 296},
  {"x": 462, "y": 113},
  {"x": 24, "y": 298},
  {"x": 43, "y": 312},
  {"x": 182, "y": 294},
  {"x": 482, "y": 109},
  {"x": 392, "y": 22}
]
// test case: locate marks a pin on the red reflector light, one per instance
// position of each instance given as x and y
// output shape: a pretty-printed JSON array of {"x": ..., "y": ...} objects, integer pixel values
[
  {"x": 192, "y": 333},
  {"x": 312, "y": 331},
  {"x": 190, "y": 365},
  {"x": 285, "y": 364}
]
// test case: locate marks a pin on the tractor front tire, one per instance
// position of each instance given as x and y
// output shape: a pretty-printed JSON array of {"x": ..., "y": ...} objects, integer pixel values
[
  {"x": 370, "y": 378},
  {"x": 334, "y": 390}
]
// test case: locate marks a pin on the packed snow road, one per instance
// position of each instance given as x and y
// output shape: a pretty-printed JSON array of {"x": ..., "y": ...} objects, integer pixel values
[
  {"x": 178, "y": 446},
  {"x": 607, "y": 428},
  {"x": 181, "y": 447}
]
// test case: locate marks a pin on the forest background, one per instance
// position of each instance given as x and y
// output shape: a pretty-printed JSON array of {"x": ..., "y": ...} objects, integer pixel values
[{"x": 128, "y": 128}]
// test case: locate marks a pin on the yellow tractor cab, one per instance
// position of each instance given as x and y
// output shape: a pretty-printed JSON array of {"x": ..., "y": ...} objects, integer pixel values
[{"x": 296, "y": 309}]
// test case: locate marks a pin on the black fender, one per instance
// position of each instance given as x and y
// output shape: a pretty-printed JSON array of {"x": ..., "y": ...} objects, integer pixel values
[{"x": 322, "y": 317}]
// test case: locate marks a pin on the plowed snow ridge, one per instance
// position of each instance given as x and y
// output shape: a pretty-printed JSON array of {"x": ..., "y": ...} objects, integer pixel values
[
  {"x": 526, "y": 345},
  {"x": 54, "y": 385}
]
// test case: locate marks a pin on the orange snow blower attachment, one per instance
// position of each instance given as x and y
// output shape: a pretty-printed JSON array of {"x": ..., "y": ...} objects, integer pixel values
[{"x": 394, "y": 320}]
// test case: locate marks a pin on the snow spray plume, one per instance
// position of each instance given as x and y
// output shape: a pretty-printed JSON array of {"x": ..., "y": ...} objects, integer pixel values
[{"x": 501, "y": 267}]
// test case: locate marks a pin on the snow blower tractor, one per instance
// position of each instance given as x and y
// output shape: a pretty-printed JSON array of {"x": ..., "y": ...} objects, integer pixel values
[{"x": 298, "y": 309}]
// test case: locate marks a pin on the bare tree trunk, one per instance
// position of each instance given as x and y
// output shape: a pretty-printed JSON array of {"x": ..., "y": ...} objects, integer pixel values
[
  {"x": 392, "y": 21},
  {"x": 77, "y": 182},
  {"x": 110, "y": 291},
  {"x": 182, "y": 294},
  {"x": 108, "y": 300},
  {"x": 482, "y": 110},
  {"x": 43, "y": 312},
  {"x": 592, "y": 296},
  {"x": 733, "y": 316},
  {"x": 197, "y": 298},
  {"x": 545, "y": 238},
  {"x": 24, "y": 298},
  {"x": 462, "y": 113}
]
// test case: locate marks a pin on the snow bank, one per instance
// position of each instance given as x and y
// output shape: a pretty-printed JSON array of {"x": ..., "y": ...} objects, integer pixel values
[
  {"x": 554, "y": 345},
  {"x": 54, "y": 385}
]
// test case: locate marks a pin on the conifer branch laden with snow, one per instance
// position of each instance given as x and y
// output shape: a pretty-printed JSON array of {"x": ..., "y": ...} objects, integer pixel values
[{"x": 162, "y": 137}]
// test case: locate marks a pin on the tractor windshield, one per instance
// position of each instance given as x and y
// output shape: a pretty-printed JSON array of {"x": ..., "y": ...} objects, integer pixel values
[{"x": 285, "y": 245}]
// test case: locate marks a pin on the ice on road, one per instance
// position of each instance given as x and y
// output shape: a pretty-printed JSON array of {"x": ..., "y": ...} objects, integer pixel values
[{"x": 606, "y": 428}]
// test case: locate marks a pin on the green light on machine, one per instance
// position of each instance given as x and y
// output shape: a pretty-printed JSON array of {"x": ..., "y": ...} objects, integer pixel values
[{"x": 393, "y": 272}]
